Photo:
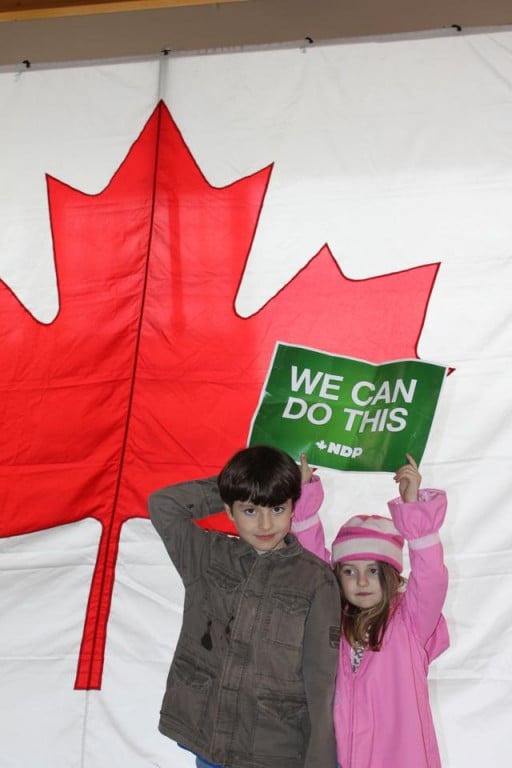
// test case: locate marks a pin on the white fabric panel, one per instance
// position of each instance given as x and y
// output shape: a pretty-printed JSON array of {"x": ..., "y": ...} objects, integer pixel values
[
  {"x": 396, "y": 153},
  {"x": 76, "y": 125}
]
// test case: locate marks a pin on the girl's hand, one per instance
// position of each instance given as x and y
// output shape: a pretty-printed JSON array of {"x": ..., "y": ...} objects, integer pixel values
[
  {"x": 408, "y": 479},
  {"x": 306, "y": 472}
]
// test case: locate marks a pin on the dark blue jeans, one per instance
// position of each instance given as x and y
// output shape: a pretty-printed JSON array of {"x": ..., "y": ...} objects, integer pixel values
[{"x": 202, "y": 764}]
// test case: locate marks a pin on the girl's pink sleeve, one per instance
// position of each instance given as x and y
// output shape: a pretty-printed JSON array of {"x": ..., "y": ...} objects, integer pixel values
[
  {"x": 306, "y": 523},
  {"x": 419, "y": 522}
]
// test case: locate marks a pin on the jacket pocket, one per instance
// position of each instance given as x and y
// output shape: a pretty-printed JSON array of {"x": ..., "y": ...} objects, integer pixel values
[
  {"x": 280, "y": 728},
  {"x": 223, "y": 579},
  {"x": 287, "y": 619},
  {"x": 186, "y": 698},
  {"x": 220, "y": 593}
]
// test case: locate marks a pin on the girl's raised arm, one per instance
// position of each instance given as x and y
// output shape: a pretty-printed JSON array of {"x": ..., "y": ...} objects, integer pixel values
[
  {"x": 306, "y": 523},
  {"x": 418, "y": 516}
]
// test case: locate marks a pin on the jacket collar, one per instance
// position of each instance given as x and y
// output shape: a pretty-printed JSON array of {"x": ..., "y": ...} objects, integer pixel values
[{"x": 291, "y": 550}]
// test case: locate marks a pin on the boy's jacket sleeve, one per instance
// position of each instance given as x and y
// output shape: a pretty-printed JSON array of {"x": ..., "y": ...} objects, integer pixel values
[
  {"x": 321, "y": 647},
  {"x": 172, "y": 511}
]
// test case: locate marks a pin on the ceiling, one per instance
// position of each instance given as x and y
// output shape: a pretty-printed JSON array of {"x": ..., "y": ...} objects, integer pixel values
[{"x": 42, "y": 33}]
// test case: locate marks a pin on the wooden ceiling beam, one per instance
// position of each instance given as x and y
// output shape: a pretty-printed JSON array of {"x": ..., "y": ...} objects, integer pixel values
[{"x": 23, "y": 10}]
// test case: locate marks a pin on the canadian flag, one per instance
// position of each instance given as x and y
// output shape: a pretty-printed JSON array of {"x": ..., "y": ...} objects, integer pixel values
[{"x": 163, "y": 224}]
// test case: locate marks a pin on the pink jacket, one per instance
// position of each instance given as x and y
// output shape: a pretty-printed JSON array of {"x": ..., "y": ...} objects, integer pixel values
[{"x": 382, "y": 713}]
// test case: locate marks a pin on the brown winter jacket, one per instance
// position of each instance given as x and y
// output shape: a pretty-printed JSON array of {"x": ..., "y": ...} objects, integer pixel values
[{"x": 252, "y": 680}]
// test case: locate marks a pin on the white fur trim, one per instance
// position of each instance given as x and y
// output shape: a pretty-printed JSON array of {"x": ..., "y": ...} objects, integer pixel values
[
  {"x": 425, "y": 541},
  {"x": 303, "y": 525}
]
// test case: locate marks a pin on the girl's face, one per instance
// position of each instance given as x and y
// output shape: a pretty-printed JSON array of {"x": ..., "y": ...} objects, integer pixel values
[{"x": 361, "y": 583}]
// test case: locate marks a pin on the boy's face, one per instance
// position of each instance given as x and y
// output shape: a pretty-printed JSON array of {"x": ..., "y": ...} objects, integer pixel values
[{"x": 264, "y": 528}]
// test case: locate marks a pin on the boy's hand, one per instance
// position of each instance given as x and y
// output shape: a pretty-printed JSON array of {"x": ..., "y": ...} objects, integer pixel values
[
  {"x": 305, "y": 470},
  {"x": 408, "y": 479}
]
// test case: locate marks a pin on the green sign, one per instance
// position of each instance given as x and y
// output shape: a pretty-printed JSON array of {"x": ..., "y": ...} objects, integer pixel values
[{"x": 346, "y": 413}]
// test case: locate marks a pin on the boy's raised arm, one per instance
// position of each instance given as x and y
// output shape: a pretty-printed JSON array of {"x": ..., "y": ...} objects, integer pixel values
[{"x": 172, "y": 510}]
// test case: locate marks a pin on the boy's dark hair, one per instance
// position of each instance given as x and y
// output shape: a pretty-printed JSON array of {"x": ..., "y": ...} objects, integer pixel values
[
  {"x": 366, "y": 626},
  {"x": 262, "y": 474}
]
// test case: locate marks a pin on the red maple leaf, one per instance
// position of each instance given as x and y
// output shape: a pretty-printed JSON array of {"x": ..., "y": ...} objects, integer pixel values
[{"x": 148, "y": 376}]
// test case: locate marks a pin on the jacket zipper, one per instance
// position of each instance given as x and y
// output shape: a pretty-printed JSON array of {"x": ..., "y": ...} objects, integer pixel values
[{"x": 354, "y": 685}]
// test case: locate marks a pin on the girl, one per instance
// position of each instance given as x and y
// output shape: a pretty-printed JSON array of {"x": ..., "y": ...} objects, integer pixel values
[{"x": 391, "y": 628}]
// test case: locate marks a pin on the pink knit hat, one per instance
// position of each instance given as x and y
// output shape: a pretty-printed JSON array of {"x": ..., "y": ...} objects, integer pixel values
[{"x": 369, "y": 537}]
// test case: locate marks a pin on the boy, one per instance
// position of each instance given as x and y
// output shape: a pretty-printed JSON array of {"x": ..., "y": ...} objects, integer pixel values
[{"x": 252, "y": 680}]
